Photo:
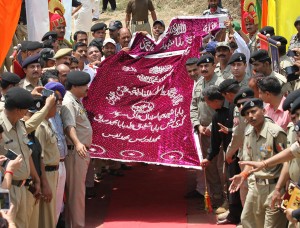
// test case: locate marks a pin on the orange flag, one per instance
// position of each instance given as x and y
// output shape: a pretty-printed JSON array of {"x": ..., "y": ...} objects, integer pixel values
[{"x": 9, "y": 16}]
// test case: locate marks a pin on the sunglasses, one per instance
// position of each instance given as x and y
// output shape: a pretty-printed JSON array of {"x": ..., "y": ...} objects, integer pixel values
[{"x": 240, "y": 104}]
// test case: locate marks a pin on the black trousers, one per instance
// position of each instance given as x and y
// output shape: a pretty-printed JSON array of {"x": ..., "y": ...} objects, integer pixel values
[
  {"x": 235, "y": 204},
  {"x": 112, "y": 3}
]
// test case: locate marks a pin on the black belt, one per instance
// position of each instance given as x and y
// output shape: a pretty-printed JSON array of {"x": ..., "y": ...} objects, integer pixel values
[
  {"x": 51, "y": 168},
  {"x": 18, "y": 183},
  {"x": 139, "y": 22},
  {"x": 261, "y": 181},
  {"x": 71, "y": 147}
]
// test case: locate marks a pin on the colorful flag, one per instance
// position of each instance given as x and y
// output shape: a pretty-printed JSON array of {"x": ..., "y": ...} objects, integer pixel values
[{"x": 9, "y": 16}]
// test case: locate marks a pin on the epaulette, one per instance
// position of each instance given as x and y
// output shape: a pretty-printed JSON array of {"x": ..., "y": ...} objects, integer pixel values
[
  {"x": 273, "y": 132},
  {"x": 68, "y": 43},
  {"x": 249, "y": 130}
]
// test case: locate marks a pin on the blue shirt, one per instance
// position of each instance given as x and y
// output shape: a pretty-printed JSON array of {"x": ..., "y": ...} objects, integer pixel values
[{"x": 57, "y": 126}]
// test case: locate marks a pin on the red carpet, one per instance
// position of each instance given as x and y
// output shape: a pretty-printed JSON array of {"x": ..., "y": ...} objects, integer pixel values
[{"x": 147, "y": 196}]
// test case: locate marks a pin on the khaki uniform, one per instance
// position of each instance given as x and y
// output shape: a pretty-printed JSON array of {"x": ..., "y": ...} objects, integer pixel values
[
  {"x": 15, "y": 138},
  {"x": 139, "y": 11},
  {"x": 269, "y": 142},
  {"x": 50, "y": 155},
  {"x": 73, "y": 115},
  {"x": 225, "y": 74},
  {"x": 244, "y": 83},
  {"x": 201, "y": 114},
  {"x": 25, "y": 84},
  {"x": 64, "y": 44}
]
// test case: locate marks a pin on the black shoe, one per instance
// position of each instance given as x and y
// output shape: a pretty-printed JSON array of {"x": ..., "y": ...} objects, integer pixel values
[
  {"x": 126, "y": 167},
  {"x": 194, "y": 194},
  {"x": 95, "y": 19},
  {"x": 90, "y": 193},
  {"x": 98, "y": 177}
]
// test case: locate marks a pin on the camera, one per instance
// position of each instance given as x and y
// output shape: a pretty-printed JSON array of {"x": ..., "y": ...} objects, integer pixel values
[
  {"x": 11, "y": 155},
  {"x": 291, "y": 53},
  {"x": 290, "y": 71},
  {"x": 4, "y": 199},
  {"x": 47, "y": 92}
]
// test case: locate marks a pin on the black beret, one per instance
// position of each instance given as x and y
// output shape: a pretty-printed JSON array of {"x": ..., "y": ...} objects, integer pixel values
[
  {"x": 33, "y": 45},
  {"x": 24, "y": 45},
  {"x": 191, "y": 61},
  {"x": 31, "y": 59},
  {"x": 39, "y": 103},
  {"x": 242, "y": 94},
  {"x": 227, "y": 85},
  {"x": 297, "y": 126},
  {"x": 281, "y": 39},
  {"x": 114, "y": 25},
  {"x": 206, "y": 59},
  {"x": 287, "y": 104},
  {"x": 98, "y": 26},
  {"x": 237, "y": 57},
  {"x": 78, "y": 78},
  {"x": 295, "y": 105},
  {"x": 267, "y": 30},
  {"x": 11, "y": 78},
  {"x": 254, "y": 102},
  {"x": 50, "y": 36},
  {"x": 260, "y": 55},
  {"x": 17, "y": 97},
  {"x": 47, "y": 53}
]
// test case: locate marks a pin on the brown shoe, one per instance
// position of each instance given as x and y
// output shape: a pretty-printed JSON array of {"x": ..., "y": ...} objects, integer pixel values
[{"x": 223, "y": 208}]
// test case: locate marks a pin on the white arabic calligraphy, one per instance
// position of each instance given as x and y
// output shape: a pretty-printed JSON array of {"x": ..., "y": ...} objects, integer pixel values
[
  {"x": 153, "y": 79},
  {"x": 160, "y": 69},
  {"x": 127, "y": 69},
  {"x": 145, "y": 139},
  {"x": 172, "y": 123},
  {"x": 208, "y": 27},
  {"x": 177, "y": 29},
  {"x": 146, "y": 45},
  {"x": 121, "y": 91}
]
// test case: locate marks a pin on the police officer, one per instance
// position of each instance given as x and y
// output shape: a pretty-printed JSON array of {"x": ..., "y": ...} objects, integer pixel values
[
  {"x": 223, "y": 55},
  {"x": 8, "y": 80},
  {"x": 33, "y": 71},
  {"x": 238, "y": 65},
  {"x": 17, "y": 102},
  {"x": 99, "y": 31},
  {"x": 79, "y": 138},
  {"x": 50, "y": 155},
  {"x": 261, "y": 64},
  {"x": 262, "y": 141},
  {"x": 201, "y": 120},
  {"x": 57, "y": 126}
]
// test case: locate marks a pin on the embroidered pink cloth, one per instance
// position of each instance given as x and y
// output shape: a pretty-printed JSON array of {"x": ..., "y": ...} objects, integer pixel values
[{"x": 139, "y": 102}]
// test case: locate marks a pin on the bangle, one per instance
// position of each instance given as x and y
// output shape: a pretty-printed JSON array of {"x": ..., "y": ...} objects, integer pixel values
[
  {"x": 244, "y": 174},
  {"x": 10, "y": 172}
]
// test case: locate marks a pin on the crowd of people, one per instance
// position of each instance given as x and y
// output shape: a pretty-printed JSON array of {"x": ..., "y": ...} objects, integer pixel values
[
  {"x": 241, "y": 109},
  {"x": 247, "y": 118}
]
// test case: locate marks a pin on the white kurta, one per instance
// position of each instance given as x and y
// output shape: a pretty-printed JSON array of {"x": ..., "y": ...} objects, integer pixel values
[{"x": 83, "y": 18}]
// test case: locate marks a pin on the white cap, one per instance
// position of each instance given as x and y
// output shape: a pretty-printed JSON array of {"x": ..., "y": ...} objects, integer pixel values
[{"x": 109, "y": 40}]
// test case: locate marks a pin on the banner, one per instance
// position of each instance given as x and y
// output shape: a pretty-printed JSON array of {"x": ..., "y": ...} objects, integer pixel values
[
  {"x": 9, "y": 16},
  {"x": 139, "y": 102}
]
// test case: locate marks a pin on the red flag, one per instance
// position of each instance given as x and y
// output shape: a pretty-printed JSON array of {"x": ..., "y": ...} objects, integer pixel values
[{"x": 9, "y": 16}]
